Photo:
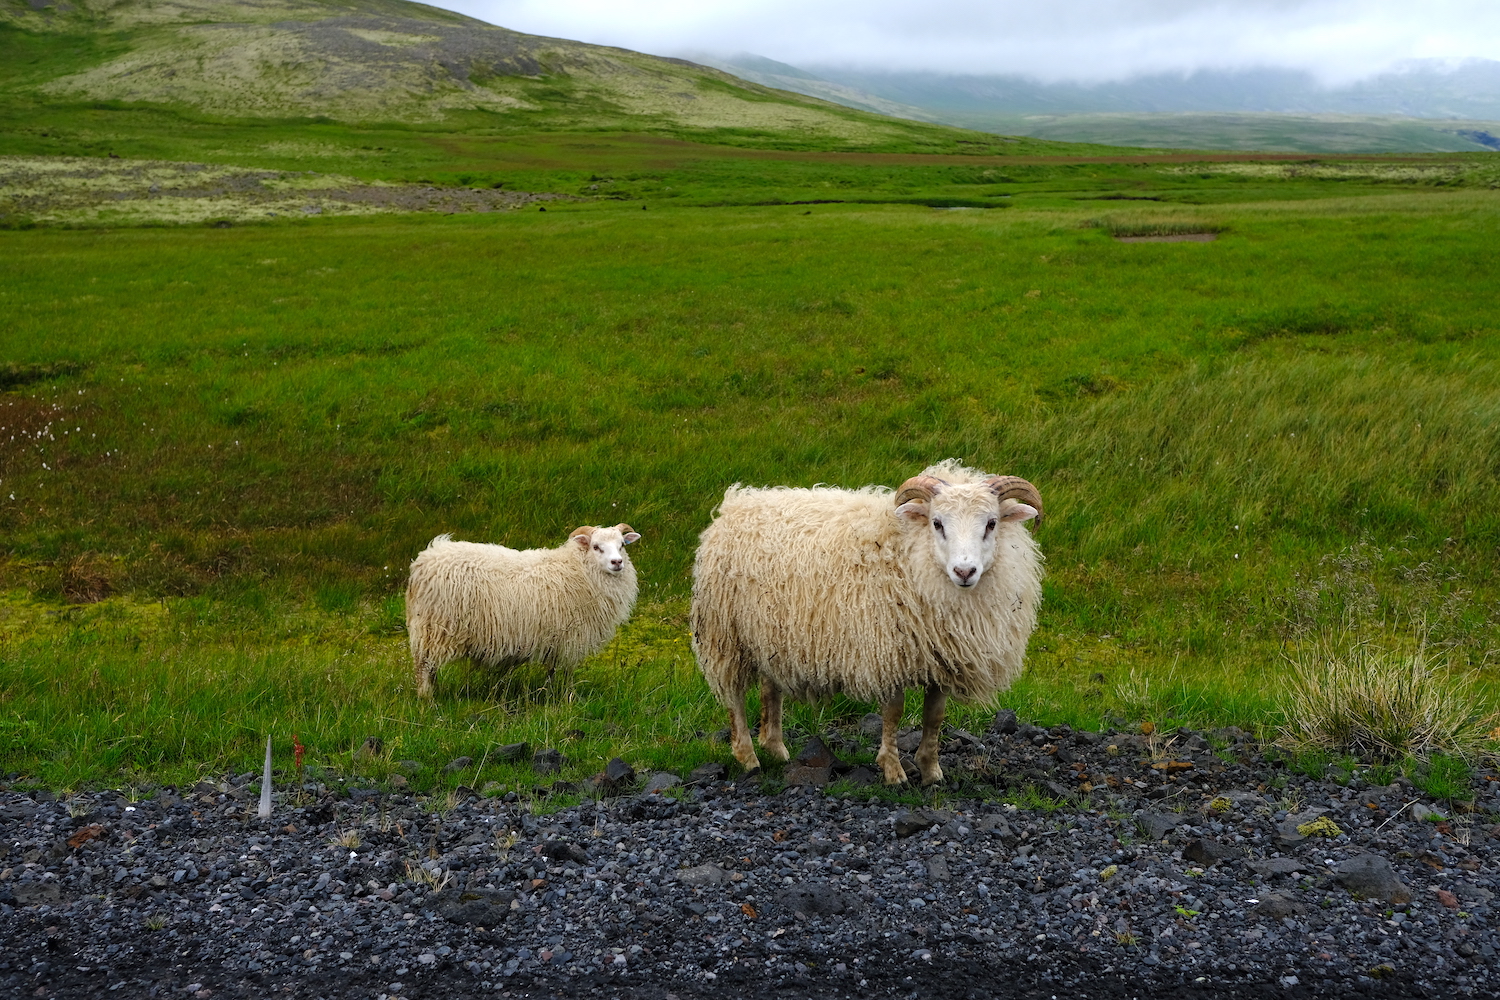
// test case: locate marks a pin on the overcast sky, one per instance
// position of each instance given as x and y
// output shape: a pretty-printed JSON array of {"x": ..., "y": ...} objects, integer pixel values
[{"x": 1339, "y": 40}]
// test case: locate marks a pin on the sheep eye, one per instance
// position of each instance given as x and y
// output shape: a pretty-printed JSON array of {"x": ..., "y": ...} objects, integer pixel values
[
  {"x": 938, "y": 526},
  {"x": 989, "y": 527},
  {"x": 598, "y": 549}
]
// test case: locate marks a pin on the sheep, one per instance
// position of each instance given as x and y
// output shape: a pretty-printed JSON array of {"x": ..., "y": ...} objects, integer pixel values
[
  {"x": 821, "y": 591},
  {"x": 502, "y": 606}
]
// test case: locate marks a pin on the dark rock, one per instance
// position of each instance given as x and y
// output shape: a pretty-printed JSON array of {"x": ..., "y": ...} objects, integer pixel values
[
  {"x": 937, "y": 868},
  {"x": 817, "y": 899},
  {"x": 546, "y": 761},
  {"x": 1155, "y": 826},
  {"x": 907, "y": 740},
  {"x": 459, "y": 764},
  {"x": 910, "y": 822},
  {"x": 861, "y": 777},
  {"x": 477, "y": 907},
  {"x": 512, "y": 752},
  {"x": 704, "y": 773},
  {"x": 1005, "y": 722},
  {"x": 565, "y": 788},
  {"x": 1276, "y": 906},
  {"x": 963, "y": 740},
  {"x": 660, "y": 782},
  {"x": 814, "y": 777},
  {"x": 709, "y": 874},
  {"x": 563, "y": 850},
  {"x": 1210, "y": 852},
  {"x": 619, "y": 772},
  {"x": 1372, "y": 877},
  {"x": 815, "y": 754},
  {"x": 872, "y": 726},
  {"x": 35, "y": 893},
  {"x": 1286, "y": 830}
]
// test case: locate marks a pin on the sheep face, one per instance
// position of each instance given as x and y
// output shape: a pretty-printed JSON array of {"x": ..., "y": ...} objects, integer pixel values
[
  {"x": 961, "y": 524},
  {"x": 606, "y": 546}
]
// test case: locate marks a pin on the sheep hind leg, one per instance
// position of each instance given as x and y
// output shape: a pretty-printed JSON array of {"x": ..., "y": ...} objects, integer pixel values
[
  {"x": 889, "y": 758},
  {"x": 771, "y": 740},
  {"x": 739, "y": 734},
  {"x": 934, "y": 707}
]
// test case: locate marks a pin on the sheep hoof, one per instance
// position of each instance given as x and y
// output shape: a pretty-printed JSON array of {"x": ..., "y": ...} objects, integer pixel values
[{"x": 777, "y": 750}]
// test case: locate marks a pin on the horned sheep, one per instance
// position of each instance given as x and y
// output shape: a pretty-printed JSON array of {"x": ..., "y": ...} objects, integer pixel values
[
  {"x": 866, "y": 592},
  {"x": 502, "y": 606}
]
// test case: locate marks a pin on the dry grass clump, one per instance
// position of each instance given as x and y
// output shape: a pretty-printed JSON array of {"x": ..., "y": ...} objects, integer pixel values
[{"x": 1380, "y": 704}]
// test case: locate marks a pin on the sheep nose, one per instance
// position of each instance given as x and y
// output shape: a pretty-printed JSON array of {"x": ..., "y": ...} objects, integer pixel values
[
  {"x": 965, "y": 574},
  {"x": 616, "y": 563}
]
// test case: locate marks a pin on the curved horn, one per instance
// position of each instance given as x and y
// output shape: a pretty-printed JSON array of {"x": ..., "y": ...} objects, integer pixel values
[
  {"x": 587, "y": 531},
  {"x": 623, "y": 528},
  {"x": 921, "y": 488},
  {"x": 1016, "y": 488}
]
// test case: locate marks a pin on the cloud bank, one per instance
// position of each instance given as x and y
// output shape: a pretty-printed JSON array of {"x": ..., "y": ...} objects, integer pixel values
[{"x": 1084, "y": 40}]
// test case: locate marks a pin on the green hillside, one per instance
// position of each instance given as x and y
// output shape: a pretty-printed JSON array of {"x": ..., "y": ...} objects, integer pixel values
[{"x": 390, "y": 61}]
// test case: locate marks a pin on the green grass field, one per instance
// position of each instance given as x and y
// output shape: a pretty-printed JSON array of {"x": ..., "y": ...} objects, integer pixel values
[{"x": 219, "y": 449}]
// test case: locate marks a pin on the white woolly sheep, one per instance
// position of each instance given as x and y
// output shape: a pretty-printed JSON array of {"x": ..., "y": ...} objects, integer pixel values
[
  {"x": 501, "y": 606},
  {"x": 821, "y": 591}
]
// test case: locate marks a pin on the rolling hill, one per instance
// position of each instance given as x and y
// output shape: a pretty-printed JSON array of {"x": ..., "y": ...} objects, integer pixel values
[{"x": 366, "y": 61}]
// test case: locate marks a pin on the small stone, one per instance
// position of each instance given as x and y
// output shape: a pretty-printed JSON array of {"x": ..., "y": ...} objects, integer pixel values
[
  {"x": 814, "y": 777},
  {"x": 1276, "y": 906},
  {"x": 817, "y": 899},
  {"x": 372, "y": 747},
  {"x": 1277, "y": 866},
  {"x": 910, "y": 822},
  {"x": 862, "y": 777},
  {"x": 1446, "y": 898},
  {"x": 1155, "y": 826},
  {"x": 815, "y": 754},
  {"x": 399, "y": 781},
  {"x": 872, "y": 726},
  {"x": 408, "y": 767},
  {"x": 660, "y": 782},
  {"x": 563, "y": 850},
  {"x": 709, "y": 874},
  {"x": 1210, "y": 852},
  {"x": 937, "y": 869},
  {"x": 619, "y": 772},
  {"x": 1422, "y": 813},
  {"x": 459, "y": 764},
  {"x": 1005, "y": 722},
  {"x": 1371, "y": 876},
  {"x": 1287, "y": 829}
]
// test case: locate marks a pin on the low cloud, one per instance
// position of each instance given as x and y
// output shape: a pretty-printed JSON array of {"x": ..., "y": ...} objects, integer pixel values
[{"x": 1085, "y": 40}]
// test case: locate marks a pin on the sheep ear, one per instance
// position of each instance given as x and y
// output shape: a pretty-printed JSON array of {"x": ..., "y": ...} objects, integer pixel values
[
  {"x": 913, "y": 510},
  {"x": 1019, "y": 512},
  {"x": 583, "y": 535},
  {"x": 632, "y": 536}
]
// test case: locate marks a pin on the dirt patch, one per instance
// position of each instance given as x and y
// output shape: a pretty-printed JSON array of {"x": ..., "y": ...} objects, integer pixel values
[
  {"x": 93, "y": 191},
  {"x": 1175, "y": 238}
]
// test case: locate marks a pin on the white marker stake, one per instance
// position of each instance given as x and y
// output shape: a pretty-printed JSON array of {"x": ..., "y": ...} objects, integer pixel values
[{"x": 265, "y": 785}]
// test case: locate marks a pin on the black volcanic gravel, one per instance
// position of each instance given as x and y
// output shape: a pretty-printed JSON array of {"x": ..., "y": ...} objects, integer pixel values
[{"x": 1183, "y": 880}]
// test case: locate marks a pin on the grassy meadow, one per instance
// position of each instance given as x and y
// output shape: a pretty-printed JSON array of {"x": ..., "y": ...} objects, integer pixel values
[{"x": 220, "y": 448}]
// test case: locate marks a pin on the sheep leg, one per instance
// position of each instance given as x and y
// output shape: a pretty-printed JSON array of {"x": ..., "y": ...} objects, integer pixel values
[
  {"x": 770, "y": 721},
  {"x": 424, "y": 671},
  {"x": 934, "y": 707},
  {"x": 739, "y": 734},
  {"x": 889, "y": 758}
]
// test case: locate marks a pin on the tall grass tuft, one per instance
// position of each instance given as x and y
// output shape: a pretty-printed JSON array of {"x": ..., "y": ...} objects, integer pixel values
[{"x": 1385, "y": 705}]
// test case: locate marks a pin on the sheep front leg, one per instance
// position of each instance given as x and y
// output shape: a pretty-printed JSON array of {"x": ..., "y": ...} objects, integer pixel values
[
  {"x": 889, "y": 758},
  {"x": 934, "y": 707},
  {"x": 739, "y": 734},
  {"x": 770, "y": 721}
]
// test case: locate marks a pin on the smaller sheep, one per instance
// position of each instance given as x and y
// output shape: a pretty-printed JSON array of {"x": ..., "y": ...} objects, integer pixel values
[{"x": 501, "y": 607}]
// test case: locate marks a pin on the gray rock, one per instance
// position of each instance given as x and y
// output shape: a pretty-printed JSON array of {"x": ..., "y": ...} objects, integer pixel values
[
  {"x": 1155, "y": 826},
  {"x": 861, "y": 777},
  {"x": 619, "y": 772},
  {"x": 1372, "y": 877},
  {"x": 512, "y": 752},
  {"x": 709, "y": 874},
  {"x": 817, "y": 899},
  {"x": 937, "y": 868},
  {"x": 1275, "y": 906},
  {"x": 660, "y": 782},
  {"x": 962, "y": 739},
  {"x": 408, "y": 767},
  {"x": 459, "y": 764},
  {"x": 1471, "y": 892},
  {"x": 907, "y": 740},
  {"x": 815, "y": 754},
  {"x": 373, "y": 746},
  {"x": 477, "y": 907},
  {"x": 547, "y": 761},
  {"x": 1286, "y": 830},
  {"x": 704, "y": 773},
  {"x": 872, "y": 726},
  {"x": 1421, "y": 812},
  {"x": 1277, "y": 866},
  {"x": 35, "y": 893},
  {"x": 1210, "y": 852},
  {"x": 1005, "y": 722}
]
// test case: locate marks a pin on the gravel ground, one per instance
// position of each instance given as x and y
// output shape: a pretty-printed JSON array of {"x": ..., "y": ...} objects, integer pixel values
[{"x": 1157, "y": 877}]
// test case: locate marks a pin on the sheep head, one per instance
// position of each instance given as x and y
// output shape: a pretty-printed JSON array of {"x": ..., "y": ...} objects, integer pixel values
[
  {"x": 962, "y": 520},
  {"x": 606, "y": 545}
]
